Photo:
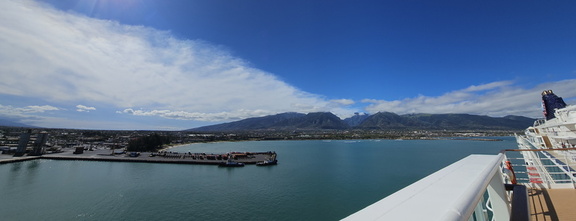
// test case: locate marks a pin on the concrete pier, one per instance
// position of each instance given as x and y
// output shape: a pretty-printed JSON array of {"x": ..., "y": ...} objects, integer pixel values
[
  {"x": 151, "y": 157},
  {"x": 10, "y": 159}
]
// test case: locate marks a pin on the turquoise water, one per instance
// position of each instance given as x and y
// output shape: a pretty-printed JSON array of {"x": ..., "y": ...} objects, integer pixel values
[{"x": 314, "y": 180}]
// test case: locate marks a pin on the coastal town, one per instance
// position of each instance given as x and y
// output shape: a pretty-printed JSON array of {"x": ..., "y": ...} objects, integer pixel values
[
  {"x": 115, "y": 141},
  {"x": 122, "y": 146}
]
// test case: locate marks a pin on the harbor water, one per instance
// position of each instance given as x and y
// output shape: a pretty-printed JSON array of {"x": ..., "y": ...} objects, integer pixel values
[{"x": 314, "y": 180}]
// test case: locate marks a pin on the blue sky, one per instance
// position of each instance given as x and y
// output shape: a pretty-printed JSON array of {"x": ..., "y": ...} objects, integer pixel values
[{"x": 178, "y": 64}]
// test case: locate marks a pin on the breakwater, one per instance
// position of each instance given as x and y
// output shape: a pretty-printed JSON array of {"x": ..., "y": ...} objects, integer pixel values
[{"x": 152, "y": 157}]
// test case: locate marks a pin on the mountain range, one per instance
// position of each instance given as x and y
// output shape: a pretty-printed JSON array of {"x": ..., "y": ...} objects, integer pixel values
[
  {"x": 11, "y": 123},
  {"x": 378, "y": 121}
]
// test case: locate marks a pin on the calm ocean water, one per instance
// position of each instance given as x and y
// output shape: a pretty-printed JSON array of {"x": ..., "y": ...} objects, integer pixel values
[{"x": 314, "y": 180}]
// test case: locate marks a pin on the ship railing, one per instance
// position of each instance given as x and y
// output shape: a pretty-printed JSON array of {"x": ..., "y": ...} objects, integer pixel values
[
  {"x": 539, "y": 122},
  {"x": 566, "y": 114},
  {"x": 472, "y": 188},
  {"x": 544, "y": 168}
]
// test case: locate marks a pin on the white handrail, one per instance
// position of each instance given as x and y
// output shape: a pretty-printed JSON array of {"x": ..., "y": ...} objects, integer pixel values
[{"x": 451, "y": 193}]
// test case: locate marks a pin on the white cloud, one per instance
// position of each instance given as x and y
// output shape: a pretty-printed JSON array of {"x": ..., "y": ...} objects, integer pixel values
[
  {"x": 49, "y": 122},
  {"x": 81, "y": 59},
  {"x": 343, "y": 102},
  {"x": 493, "y": 99},
  {"x": 82, "y": 108},
  {"x": 335, "y": 106},
  {"x": 184, "y": 115},
  {"x": 489, "y": 86},
  {"x": 8, "y": 110},
  {"x": 40, "y": 109}
]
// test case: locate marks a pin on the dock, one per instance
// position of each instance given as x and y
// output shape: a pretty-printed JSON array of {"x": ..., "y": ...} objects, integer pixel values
[
  {"x": 151, "y": 157},
  {"x": 10, "y": 159}
]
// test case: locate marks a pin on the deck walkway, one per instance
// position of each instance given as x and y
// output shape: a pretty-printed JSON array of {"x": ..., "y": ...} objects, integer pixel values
[{"x": 552, "y": 204}]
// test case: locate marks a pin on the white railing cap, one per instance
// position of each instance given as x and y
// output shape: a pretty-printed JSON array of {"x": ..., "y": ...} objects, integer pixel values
[{"x": 448, "y": 194}]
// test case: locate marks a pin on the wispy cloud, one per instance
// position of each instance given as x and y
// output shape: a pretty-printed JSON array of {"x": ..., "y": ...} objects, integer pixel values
[
  {"x": 338, "y": 107},
  {"x": 8, "y": 110},
  {"x": 82, "y": 108},
  {"x": 184, "y": 115},
  {"x": 81, "y": 59},
  {"x": 493, "y": 99},
  {"x": 340, "y": 102},
  {"x": 28, "y": 114}
]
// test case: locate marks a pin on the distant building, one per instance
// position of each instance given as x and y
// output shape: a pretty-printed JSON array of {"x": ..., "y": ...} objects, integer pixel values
[
  {"x": 23, "y": 143},
  {"x": 37, "y": 146},
  {"x": 39, "y": 143}
]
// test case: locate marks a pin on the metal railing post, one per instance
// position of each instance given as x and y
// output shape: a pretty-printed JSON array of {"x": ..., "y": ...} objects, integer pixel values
[
  {"x": 569, "y": 168},
  {"x": 498, "y": 198},
  {"x": 479, "y": 212}
]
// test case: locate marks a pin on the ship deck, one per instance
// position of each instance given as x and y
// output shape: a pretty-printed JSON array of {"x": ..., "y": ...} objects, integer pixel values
[{"x": 552, "y": 204}]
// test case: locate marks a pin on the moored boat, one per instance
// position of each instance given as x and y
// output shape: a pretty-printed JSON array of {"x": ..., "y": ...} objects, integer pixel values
[{"x": 267, "y": 163}]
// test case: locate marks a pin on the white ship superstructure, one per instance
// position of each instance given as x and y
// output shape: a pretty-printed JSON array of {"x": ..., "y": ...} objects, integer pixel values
[
  {"x": 550, "y": 145},
  {"x": 558, "y": 130}
]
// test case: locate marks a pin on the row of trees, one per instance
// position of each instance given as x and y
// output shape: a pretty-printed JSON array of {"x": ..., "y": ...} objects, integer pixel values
[{"x": 152, "y": 142}]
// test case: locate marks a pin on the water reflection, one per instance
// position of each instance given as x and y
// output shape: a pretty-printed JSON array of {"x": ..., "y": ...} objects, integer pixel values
[
  {"x": 33, "y": 164},
  {"x": 16, "y": 166}
]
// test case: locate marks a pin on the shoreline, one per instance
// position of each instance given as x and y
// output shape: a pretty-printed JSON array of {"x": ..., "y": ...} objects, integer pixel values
[
  {"x": 482, "y": 138},
  {"x": 104, "y": 154}
]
